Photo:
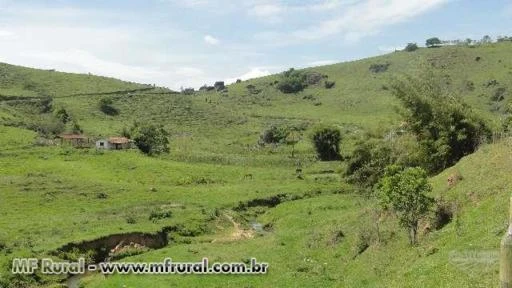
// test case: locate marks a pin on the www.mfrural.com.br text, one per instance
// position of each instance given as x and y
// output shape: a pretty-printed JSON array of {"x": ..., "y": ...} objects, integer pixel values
[{"x": 167, "y": 266}]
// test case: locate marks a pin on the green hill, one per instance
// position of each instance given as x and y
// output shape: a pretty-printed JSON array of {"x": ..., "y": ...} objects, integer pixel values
[{"x": 219, "y": 194}]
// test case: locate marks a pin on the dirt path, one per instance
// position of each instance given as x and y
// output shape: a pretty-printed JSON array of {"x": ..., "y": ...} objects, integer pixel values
[{"x": 238, "y": 233}]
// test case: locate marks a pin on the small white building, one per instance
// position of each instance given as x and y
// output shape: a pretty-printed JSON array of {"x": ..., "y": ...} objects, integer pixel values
[{"x": 114, "y": 143}]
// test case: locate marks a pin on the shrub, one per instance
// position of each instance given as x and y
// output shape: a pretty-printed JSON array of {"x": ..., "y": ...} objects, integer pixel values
[
  {"x": 379, "y": 68},
  {"x": 188, "y": 91},
  {"x": 106, "y": 106},
  {"x": 219, "y": 85},
  {"x": 443, "y": 214},
  {"x": 292, "y": 81},
  {"x": 404, "y": 191},
  {"x": 411, "y": 47},
  {"x": 158, "y": 215},
  {"x": 368, "y": 163},
  {"x": 76, "y": 128},
  {"x": 274, "y": 135},
  {"x": 151, "y": 139},
  {"x": 327, "y": 143},
  {"x": 47, "y": 126},
  {"x": 45, "y": 104},
  {"x": 329, "y": 84},
  {"x": 63, "y": 115}
]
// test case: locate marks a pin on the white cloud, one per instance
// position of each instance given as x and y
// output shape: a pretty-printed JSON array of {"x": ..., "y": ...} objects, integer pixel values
[
  {"x": 189, "y": 71},
  {"x": 358, "y": 20},
  {"x": 255, "y": 72},
  {"x": 5, "y": 33},
  {"x": 210, "y": 40},
  {"x": 267, "y": 12}
]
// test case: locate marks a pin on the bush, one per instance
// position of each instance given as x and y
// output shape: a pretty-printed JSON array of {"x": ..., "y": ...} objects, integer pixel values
[
  {"x": 368, "y": 163},
  {"x": 158, "y": 215},
  {"x": 151, "y": 139},
  {"x": 219, "y": 85},
  {"x": 274, "y": 135},
  {"x": 63, "y": 115},
  {"x": 411, "y": 47},
  {"x": 379, "y": 68},
  {"x": 292, "y": 81},
  {"x": 329, "y": 84},
  {"x": 327, "y": 143},
  {"x": 106, "y": 106},
  {"x": 188, "y": 91},
  {"x": 46, "y": 104},
  {"x": 47, "y": 126}
]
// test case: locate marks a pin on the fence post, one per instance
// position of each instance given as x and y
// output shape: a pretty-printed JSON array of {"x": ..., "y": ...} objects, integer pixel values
[{"x": 506, "y": 255}]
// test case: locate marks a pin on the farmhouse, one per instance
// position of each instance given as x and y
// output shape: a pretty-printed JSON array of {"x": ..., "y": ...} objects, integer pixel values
[{"x": 114, "y": 143}]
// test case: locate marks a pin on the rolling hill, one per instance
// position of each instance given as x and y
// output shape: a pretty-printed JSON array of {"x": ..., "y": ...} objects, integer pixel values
[{"x": 220, "y": 194}]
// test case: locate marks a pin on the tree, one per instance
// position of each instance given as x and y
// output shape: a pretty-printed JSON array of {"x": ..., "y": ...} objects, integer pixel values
[
  {"x": 445, "y": 127},
  {"x": 151, "y": 139},
  {"x": 405, "y": 193},
  {"x": 411, "y": 47},
  {"x": 433, "y": 42},
  {"x": 292, "y": 139},
  {"x": 486, "y": 39},
  {"x": 327, "y": 143}
]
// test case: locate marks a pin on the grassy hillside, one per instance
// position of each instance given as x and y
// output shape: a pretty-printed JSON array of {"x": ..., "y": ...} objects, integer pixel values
[{"x": 227, "y": 198}]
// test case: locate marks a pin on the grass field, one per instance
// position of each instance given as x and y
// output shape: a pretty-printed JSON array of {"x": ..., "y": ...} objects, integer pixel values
[{"x": 217, "y": 188}]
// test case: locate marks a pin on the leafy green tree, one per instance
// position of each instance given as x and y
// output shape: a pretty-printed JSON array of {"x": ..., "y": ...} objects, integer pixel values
[
  {"x": 327, "y": 143},
  {"x": 405, "y": 193},
  {"x": 411, "y": 47},
  {"x": 433, "y": 42},
  {"x": 292, "y": 139},
  {"x": 151, "y": 139},
  {"x": 445, "y": 127}
]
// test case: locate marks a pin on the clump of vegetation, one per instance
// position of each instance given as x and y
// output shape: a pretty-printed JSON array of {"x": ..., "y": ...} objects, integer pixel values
[
  {"x": 292, "y": 81},
  {"x": 411, "y": 47},
  {"x": 368, "y": 162},
  {"x": 47, "y": 126},
  {"x": 327, "y": 143},
  {"x": 158, "y": 215},
  {"x": 107, "y": 107},
  {"x": 252, "y": 89},
  {"x": 274, "y": 135},
  {"x": 404, "y": 191},
  {"x": 187, "y": 91},
  {"x": 379, "y": 68},
  {"x": 63, "y": 115},
  {"x": 329, "y": 84},
  {"x": 445, "y": 127},
  {"x": 46, "y": 104},
  {"x": 433, "y": 42},
  {"x": 219, "y": 85},
  {"x": 151, "y": 139}
]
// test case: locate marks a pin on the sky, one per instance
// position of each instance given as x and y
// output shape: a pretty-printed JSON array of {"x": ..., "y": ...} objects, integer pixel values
[{"x": 188, "y": 43}]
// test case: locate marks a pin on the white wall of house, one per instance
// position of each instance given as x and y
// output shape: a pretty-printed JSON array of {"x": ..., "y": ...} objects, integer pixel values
[{"x": 102, "y": 144}]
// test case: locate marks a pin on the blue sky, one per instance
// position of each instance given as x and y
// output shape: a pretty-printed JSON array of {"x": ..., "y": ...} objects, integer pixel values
[{"x": 177, "y": 43}]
